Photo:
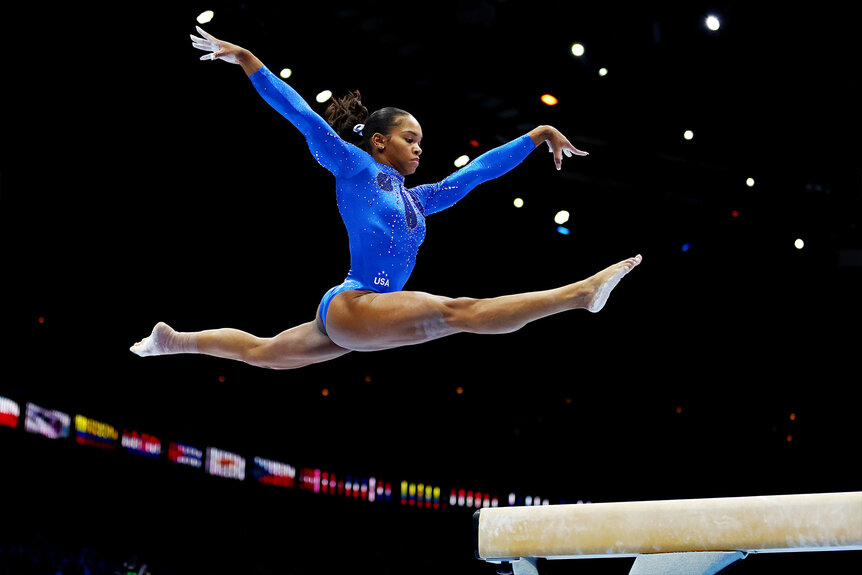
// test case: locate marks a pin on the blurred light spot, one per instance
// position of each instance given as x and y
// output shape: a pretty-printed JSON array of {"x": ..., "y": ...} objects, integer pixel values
[
  {"x": 462, "y": 161},
  {"x": 578, "y": 49},
  {"x": 205, "y": 17},
  {"x": 285, "y": 73},
  {"x": 549, "y": 100},
  {"x": 712, "y": 23},
  {"x": 324, "y": 96},
  {"x": 749, "y": 182},
  {"x": 561, "y": 217},
  {"x": 324, "y": 392},
  {"x": 474, "y": 143},
  {"x": 459, "y": 390},
  {"x": 688, "y": 135},
  {"x": 603, "y": 71},
  {"x": 519, "y": 203},
  {"x": 563, "y": 230},
  {"x": 799, "y": 243},
  {"x": 686, "y": 247}
]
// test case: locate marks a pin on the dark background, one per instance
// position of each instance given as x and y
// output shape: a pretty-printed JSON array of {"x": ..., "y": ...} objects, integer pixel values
[{"x": 142, "y": 185}]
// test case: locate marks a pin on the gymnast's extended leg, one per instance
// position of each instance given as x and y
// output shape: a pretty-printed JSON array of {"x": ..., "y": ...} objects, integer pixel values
[
  {"x": 296, "y": 347},
  {"x": 369, "y": 321}
]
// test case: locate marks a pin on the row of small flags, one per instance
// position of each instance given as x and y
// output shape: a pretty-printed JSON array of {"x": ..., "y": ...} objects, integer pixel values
[{"x": 56, "y": 424}]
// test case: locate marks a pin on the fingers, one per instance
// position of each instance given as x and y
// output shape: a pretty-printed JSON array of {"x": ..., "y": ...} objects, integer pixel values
[
  {"x": 570, "y": 150},
  {"x": 209, "y": 37},
  {"x": 208, "y": 44},
  {"x": 567, "y": 149},
  {"x": 202, "y": 44}
]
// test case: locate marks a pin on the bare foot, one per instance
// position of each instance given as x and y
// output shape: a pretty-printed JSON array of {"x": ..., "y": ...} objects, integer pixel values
[
  {"x": 606, "y": 280},
  {"x": 164, "y": 341}
]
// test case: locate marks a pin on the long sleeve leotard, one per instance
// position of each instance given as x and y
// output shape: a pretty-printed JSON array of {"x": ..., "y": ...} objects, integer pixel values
[{"x": 385, "y": 221}]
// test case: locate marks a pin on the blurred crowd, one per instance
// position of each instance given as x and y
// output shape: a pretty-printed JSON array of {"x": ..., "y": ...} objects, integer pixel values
[{"x": 39, "y": 556}]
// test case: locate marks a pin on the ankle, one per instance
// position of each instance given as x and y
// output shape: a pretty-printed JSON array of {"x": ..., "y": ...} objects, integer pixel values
[
  {"x": 184, "y": 342},
  {"x": 579, "y": 294}
]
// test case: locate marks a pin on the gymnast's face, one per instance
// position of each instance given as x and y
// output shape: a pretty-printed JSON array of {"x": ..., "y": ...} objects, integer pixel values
[{"x": 401, "y": 146}]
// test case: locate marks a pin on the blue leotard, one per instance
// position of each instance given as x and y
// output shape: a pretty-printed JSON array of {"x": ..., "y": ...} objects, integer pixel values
[{"x": 385, "y": 221}]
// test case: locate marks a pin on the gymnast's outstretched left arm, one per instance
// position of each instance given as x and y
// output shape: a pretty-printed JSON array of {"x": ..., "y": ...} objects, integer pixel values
[{"x": 493, "y": 164}]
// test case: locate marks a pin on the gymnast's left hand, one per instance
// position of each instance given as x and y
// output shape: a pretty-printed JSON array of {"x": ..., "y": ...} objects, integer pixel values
[
  {"x": 559, "y": 145},
  {"x": 219, "y": 49}
]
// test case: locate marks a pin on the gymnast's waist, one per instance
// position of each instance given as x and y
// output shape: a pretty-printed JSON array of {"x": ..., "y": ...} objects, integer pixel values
[{"x": 381, "y": 282}]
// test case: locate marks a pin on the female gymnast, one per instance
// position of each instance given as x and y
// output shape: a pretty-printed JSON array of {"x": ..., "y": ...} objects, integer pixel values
[{"x": 385, "y": 224}]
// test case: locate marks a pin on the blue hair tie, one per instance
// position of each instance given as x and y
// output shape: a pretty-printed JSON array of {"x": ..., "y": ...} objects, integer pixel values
[{"x": 358, "y": 129}]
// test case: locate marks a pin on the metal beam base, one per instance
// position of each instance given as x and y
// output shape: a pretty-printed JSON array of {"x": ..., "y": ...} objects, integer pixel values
[
  {"x": 691, "y": 563},
  {"x": 525, "y": 566},
  {"x": 700, "y": 563}
]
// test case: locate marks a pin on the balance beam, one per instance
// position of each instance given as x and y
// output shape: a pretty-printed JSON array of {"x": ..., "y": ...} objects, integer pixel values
[{"x": 737, "y": 525}]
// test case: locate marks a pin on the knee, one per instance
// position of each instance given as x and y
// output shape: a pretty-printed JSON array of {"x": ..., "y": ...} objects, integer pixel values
[
  {"x": 485, "y": 316},
  {"x": 463, "y": 314},
  {"x": 259, "y": 354}
]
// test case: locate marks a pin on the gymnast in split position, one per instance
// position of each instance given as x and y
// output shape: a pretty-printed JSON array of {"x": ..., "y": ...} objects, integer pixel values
[{"x": 370, "y": 155}]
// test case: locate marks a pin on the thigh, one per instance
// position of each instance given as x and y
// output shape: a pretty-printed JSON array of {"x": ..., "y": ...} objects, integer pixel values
[
  {"x": 369, "y": 321},
  {"x": 297, "y": 347}
]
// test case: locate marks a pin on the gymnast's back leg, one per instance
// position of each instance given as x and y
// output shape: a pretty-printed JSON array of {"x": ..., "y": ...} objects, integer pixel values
[
  {"x": 296, "y": 347},
  {"x": 369, "y": 321}
]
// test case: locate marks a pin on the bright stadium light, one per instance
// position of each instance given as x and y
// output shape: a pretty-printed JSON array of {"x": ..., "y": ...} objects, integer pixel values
[
  {"x": 712, "y": 23},
  {"x": 561, "y": 217},
  {"x": 462, "y": 161}
]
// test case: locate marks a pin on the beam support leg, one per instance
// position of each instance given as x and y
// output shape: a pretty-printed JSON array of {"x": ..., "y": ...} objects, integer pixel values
[
  {"x": 693, "y": 563},
  {"x": 525, "y": 566}
]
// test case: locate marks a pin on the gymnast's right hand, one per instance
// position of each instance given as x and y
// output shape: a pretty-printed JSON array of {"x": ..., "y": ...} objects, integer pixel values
[{"x": 218, "y": 49}]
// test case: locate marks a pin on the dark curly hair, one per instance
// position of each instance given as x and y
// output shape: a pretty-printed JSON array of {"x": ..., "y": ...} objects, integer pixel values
[{"x": 346, "y": 112}]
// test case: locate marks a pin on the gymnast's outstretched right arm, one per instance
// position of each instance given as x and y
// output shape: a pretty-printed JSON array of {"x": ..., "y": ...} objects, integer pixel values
[{"x": 328, "y": 148}]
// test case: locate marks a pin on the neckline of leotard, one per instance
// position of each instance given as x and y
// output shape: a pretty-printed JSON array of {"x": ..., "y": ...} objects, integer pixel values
[{"x": 390, "y": 170}]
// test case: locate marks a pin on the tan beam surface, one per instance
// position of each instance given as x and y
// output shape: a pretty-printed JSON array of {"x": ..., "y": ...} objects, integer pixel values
[{"x": 769, "y": 523}]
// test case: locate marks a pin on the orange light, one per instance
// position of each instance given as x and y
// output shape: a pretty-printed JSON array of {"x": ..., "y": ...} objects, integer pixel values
[
  {"x": 41, "y": 319},
  {"x": 549, "y": 100},
  {"x": 789, "y": 438},
  {"x": 324, "y": 392},
  {"x": 679, "y": 409},
  {"x": 221, "y": 379},
  {"x": 792, "y": 417},
  {"x": 367, "y": 379},
  {"x": 459, "y": 390},
  {"x": 474, "y": 143}
]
